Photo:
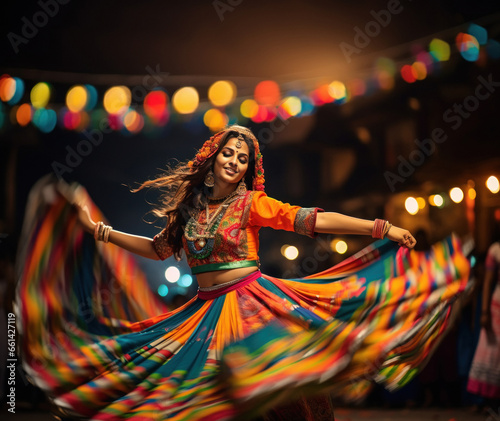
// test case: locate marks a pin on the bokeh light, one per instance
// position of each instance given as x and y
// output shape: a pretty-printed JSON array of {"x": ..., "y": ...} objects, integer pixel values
[
  {"x": 290, "y": 252},
  {"x": 7, "y": 88},
  {"x": 321, "y": 95},
  {"x": 492, "y": 184},
  {"x": 75, "y": 121},
  {"x": 263, "y": 114},
  {"x": 172, "y": 274},
  {"x": 292, "y": 105},
  {"x": 439, "y": 49},
  {"x": 456, "y": 194},
  {"x": 71, "y": 120},
  {"x": 307, "y": 106},
  {"x": 426, "y": 58},
  {"x": 4, "y": 88},
  {"x": 249, "y": 108},
  {"x": 40, "y": 95},
  {"x": 19, "y": 92},
  {"x": 468, "y": 46},
  {"x": 91, "y": 97},
  {"x": 133, "y": 121},
  {"x": 11, "y": 89},
  {"x": 267, "y": 93},
  {"x": 419, "y": 70},
  {"x": 185, "y": 280},
  {"x": 117, "y": 99},
  {"x": 408, "y": 73},
  {"x": 473, "y": 261},
  {"x": 185, "y": 100},
  {"x": 436, "y": 200},
  {"x": 115, "y": 122},
  {"x": 76, "y": 98},
  {"x": 341, "y": 247},
  {"x": 337, "y": 90},
  {"x": 45, "y": 120},
  {"x": 155, "y": 106},
  {"x": 163, "y": 290},
  {"x": 471, "y": 193},
  {"x": 23, "y": 114},
  {"x": 479, "y": 33},
  {"x": 222, "y": 93},
  {"x": 421, "y": 203},
  {"x": 215, "y": 120},
  {"x": 385, "y": 80},
  {"x": 411, "y": 205}
]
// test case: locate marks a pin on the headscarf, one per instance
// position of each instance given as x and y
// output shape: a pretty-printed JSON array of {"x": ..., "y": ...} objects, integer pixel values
[{"x": 211, "y": 146}]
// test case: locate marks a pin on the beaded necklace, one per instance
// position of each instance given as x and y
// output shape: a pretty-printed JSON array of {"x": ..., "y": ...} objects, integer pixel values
[
  {"x": 221, "y": 199},
  {"x": 202, "y": 235}
]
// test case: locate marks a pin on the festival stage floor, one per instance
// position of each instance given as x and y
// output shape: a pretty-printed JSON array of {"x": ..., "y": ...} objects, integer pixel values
[{"x": 342, "y": 414}]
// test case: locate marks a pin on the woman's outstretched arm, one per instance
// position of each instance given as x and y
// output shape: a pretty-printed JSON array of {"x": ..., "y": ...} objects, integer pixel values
[
  {"x": 137, "y": 244},
  {"x": 337, "y": 223}
]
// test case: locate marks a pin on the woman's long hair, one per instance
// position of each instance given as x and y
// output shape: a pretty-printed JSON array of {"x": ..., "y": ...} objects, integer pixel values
[{"x": 184, "y": 190}]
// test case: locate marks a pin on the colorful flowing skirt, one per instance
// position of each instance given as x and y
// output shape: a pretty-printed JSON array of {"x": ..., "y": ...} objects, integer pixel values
[
  {"x": 104, "y": 347},
  {"x": 484, "y": 375}
]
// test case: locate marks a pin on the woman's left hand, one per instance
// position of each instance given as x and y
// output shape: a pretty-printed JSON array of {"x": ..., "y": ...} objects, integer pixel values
[{"x": 402, "y": 237}]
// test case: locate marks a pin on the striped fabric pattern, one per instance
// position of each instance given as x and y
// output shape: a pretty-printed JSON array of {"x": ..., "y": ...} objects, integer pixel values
[{"x": 103, "y": 347}]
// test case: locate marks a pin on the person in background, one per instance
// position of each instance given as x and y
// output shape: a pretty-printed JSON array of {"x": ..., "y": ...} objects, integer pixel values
[{"x": 484, "y": 375}]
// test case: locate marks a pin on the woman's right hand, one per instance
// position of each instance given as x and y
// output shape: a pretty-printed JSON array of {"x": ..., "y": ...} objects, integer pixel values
[
  {"x": 402, "y": 237},
  {"x": 84, "y": 217},
  {"x": 77, "y": 198}
]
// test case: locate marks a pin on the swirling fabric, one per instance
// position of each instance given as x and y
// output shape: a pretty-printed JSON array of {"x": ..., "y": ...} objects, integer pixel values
[{"x": 104, "y": 347}]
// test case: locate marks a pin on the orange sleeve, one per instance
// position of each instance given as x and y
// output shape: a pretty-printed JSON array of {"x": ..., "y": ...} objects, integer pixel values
[
  {"x": 162, "y": 248},
  {"x": 268, "y": 212}
]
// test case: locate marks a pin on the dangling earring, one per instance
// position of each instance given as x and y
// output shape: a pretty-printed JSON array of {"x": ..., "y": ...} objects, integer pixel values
[
  {"x": 242, "y": 188},
  {"x": 209, "y": 179}
]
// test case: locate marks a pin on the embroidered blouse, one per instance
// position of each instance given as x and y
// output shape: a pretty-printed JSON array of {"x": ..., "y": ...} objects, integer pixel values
[{"x": 236, "y": 241}]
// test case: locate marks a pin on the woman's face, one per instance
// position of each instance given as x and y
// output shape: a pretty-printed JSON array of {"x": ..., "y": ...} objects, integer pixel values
[{"x": 231, "y": 162}]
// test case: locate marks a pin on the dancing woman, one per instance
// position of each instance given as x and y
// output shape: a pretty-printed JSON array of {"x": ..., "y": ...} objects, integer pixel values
[{"x": 248, "y": 344}]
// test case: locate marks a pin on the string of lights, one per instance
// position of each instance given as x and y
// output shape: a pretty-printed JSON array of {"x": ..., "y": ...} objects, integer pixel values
[{"x": 142, "y": 102}]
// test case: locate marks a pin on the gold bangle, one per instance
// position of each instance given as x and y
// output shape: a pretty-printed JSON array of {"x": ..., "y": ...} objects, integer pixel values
[
  {"x": 387, "y": 227},
  {"x": 101, "y": 232},
  {"x": 98, "y": 231},
  {"x": 108, "y": 229}
]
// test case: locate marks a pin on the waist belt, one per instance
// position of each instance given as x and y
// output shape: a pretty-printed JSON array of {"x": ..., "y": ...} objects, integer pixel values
[{"x": 210, "y": 267}]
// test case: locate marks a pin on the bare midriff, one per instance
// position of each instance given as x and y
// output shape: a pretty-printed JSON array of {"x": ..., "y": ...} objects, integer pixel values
[{"x": 217, "y": 277}]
